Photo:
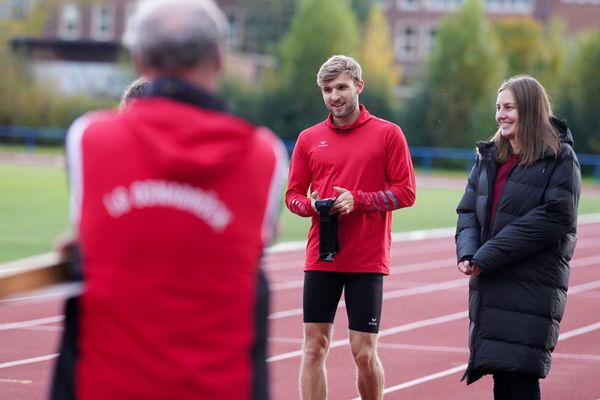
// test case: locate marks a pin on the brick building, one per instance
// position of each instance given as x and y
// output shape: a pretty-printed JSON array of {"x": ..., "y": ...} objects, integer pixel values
[{"x": 87, "y": 38}]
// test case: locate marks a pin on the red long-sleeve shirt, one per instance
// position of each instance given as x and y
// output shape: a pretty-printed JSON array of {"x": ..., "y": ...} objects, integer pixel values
[{"x": 371, "y": 159}]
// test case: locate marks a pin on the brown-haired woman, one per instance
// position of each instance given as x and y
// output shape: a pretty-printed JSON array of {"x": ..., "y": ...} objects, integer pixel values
[{"x": 515, "y": 235}]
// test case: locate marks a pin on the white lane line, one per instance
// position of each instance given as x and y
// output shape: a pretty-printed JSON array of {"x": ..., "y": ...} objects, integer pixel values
[
  {"x": 425, "y": 234},
  {"x": 434, "y": 287},
  {"x": 30, "y": 323},
  {"x": 424, "y": 379},
  {"x": 28, "y": 361},
  {"x": 19, "y": 381},
  {"x": 579, "y": 331},
  {"x": 578, "y": 357},
  {"x": 584, "y": 287},
  {"x": 386, "y": 332},
  {"x": 395, "y": 270},
  {"x": 450, "y": 371}
]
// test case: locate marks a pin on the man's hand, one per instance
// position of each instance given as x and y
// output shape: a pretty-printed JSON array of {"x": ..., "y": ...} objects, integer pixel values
[
  {"x": 314, "y": 196},
  {"x": 344, "y": 203}
]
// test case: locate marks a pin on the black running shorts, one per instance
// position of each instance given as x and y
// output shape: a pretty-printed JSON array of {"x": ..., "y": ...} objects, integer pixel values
[{"x": 362, "y": 293}]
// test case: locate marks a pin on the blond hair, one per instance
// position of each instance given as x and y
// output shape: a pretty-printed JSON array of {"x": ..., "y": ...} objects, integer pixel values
[{"x": 336, "y": 65}]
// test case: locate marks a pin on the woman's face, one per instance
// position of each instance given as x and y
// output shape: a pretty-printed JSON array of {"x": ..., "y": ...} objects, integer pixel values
[{"x": 507, "y": 114}]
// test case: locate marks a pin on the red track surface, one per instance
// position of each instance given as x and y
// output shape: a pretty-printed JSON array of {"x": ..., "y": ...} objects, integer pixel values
[{"x": 422, "y": 340}]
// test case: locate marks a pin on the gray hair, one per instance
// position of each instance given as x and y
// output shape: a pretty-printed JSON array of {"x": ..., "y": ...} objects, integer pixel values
[
  {"x": 337, "y": 64},
  {"x": 134, "y": 90},
  {"x": 173, "y": 34}
]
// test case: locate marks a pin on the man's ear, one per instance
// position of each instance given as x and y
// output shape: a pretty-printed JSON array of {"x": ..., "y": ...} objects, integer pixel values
[
  {"x": 360, "y": 86},
  {"x": 220, "y": 59},
  {"x": 139, "y": 66}
]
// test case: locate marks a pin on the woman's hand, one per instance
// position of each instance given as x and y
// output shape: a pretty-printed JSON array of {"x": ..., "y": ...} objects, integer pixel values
[{"x": 468, "y": 268}]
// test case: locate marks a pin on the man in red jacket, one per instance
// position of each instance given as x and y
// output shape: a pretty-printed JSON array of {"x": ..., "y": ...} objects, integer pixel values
[
  {"x": 362, "y": 165},
  {"x": 173, "y": 200}
]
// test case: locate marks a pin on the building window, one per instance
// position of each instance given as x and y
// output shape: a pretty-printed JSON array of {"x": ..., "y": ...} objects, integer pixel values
[
  {"x": 70, "y": 22},
  {"x": 103, "y": 22},
  {"x": 129, "y": 9},
  {"x": 19, "y": 9},
  {"x": 443, "y": 5},
  {"x": 385, "y": 4},
  {"x": 407, "y": 41},
  {"x": 408, "y": 5},
  {"x": 597, "y": 2},
  {"x": 430, "y": 38},
  {"x": 509, "y": 6}
]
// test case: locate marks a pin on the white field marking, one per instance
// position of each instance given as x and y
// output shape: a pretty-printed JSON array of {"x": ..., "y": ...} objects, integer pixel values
[
  {"x": 44, "y": 328},
  {"x": 30, "y": 323},
  {"x": 28, "y": 360},
  {"x": 451, "y": 349},
  {"x": 424, "y": 379},
  {"x": 585, "y": 261},
  {"x": 20, "y": 381},
  {"x": 577, "y": 357},
  {"x": 285, "y": 340},
  {"x": 584, "y": 287},
  {"x": 33, "y": 297},
  {"x": 395, "y": 270},
  {"x": 430, "y": 265},
  {"x": 588, "y": 219},
  {"x": 295, "y": 284},
  {"x": 425, "y": 234},
  {"x": 386, "y": 332},
  {"x": 412, "y": 291},
  {"x": 450, "y": 371},
  {"x": 61, "y": 290},
  {"x": 579, "y": 331},
  {"x": 419, "y": 347}
]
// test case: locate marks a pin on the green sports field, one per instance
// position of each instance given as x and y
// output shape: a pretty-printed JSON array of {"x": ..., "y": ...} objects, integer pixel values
[{"x": 34, "y": 210}]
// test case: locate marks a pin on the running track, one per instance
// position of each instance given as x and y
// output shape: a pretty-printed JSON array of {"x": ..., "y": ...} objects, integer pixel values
[{"x": 422, "y": 339}]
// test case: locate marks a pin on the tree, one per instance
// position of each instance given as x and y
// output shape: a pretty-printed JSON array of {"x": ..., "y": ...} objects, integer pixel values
[
  {"x": 362, "y": 9},
  {"x": 32, "y": 103},
  {"x": 522, "y": 45},
  {"x": 379, "y": 71},
  {"x": 463, "y": 73},
  {"x": 585, "y": 93},
  {"x": 528, "y": 49},
  {"x": 319, "y": 29}
]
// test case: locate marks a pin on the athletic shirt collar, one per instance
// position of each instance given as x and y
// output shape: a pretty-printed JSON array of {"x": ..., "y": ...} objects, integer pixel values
[{"x": 362, "y": 119}]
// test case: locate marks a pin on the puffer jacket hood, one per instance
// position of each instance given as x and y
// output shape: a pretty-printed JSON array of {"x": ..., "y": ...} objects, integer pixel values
[
  {"x": 564, "y": 133},
  {"x": 184, "y": 140}
]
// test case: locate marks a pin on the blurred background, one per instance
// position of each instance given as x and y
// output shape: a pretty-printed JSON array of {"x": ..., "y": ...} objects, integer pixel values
[{"x": 431, "y": 66}]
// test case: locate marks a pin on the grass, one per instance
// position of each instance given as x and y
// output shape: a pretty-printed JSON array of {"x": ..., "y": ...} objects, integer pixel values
[{"x": 34, "y": 210}]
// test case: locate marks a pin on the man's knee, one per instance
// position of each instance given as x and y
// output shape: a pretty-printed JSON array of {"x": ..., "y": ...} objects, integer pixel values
[
  {"x": 315, "y": 348},
  {"x": 365, "y": 358}
]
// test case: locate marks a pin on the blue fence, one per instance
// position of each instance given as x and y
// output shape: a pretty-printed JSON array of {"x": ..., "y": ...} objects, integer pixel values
[{"x": 423, "y": 157}]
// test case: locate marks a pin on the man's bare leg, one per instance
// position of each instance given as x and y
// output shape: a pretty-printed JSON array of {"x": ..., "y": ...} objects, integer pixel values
[
  {"x": 369, "y": 377},
  {"x": 313, "y": 380}
]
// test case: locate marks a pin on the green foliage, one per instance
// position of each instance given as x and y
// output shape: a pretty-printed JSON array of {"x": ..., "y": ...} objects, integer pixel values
[
  {"x": 24, "y": 101},
  {"x": 527, "y": 49},
  {"x": 522, "y": 44},
  {"x": 288, "y": 99},
  {"x": 362, "y": 9},
  {"x": 377, "y": 61},
  {"x": 320, "y": 29},
  {"x": 463, "y": 72},
  {"x": 584, "y": 92}
]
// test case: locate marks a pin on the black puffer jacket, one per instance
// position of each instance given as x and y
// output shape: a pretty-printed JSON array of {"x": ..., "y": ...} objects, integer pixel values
[{"x": 517, "y": 303}]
